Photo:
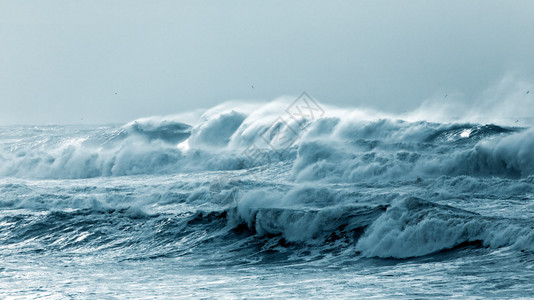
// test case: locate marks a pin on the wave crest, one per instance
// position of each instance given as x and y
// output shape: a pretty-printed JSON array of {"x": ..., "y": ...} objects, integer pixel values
[{"x": 335, "y": 148}]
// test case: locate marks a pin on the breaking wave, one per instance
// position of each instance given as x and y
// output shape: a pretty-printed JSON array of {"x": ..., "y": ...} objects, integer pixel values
[
  {"x": 348, "y": 147},
  {"x": 264, "y": 220},
  {"x": 254, "y": 180}
]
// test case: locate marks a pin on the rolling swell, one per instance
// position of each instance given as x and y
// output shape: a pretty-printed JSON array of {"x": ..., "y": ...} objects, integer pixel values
[{"x": 410, "y": 227}]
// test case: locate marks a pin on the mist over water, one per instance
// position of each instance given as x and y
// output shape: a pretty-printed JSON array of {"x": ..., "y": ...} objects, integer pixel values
[{"x": 293, "y": 195}]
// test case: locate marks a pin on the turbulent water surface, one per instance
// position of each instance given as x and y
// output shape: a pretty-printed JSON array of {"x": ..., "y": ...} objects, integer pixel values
[{"x": 254, "y": 202}]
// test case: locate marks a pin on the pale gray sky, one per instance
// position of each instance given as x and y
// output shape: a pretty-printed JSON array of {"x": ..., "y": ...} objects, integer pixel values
[{"x": 114, "y": 61}]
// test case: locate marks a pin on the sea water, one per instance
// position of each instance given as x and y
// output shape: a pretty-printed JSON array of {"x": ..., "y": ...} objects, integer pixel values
[{"x": 249, "y": 203}]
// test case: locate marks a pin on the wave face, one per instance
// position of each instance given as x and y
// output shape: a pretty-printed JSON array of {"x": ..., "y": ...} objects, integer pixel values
[{"x": 256, "y": 185}]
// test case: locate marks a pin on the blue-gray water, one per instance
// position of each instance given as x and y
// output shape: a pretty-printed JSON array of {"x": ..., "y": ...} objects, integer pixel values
[{"x": 246, "y": 205}]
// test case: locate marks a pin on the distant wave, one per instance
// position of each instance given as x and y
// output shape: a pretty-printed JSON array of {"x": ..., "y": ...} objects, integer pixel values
[{"x": 348, "y": 146}]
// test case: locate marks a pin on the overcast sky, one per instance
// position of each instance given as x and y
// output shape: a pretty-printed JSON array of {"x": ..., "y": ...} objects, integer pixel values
[{"x": 114, "y": 61}]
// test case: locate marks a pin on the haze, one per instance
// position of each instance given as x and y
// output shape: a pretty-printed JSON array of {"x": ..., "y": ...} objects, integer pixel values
[{"x": 65, "y": 62}]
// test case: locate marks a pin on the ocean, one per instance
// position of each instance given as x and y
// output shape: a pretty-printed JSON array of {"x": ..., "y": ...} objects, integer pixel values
[{"x": 279, "y": 200}]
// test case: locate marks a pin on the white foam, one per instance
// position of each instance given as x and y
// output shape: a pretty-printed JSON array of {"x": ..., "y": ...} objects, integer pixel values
[{"x": 412, "y": 228}]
